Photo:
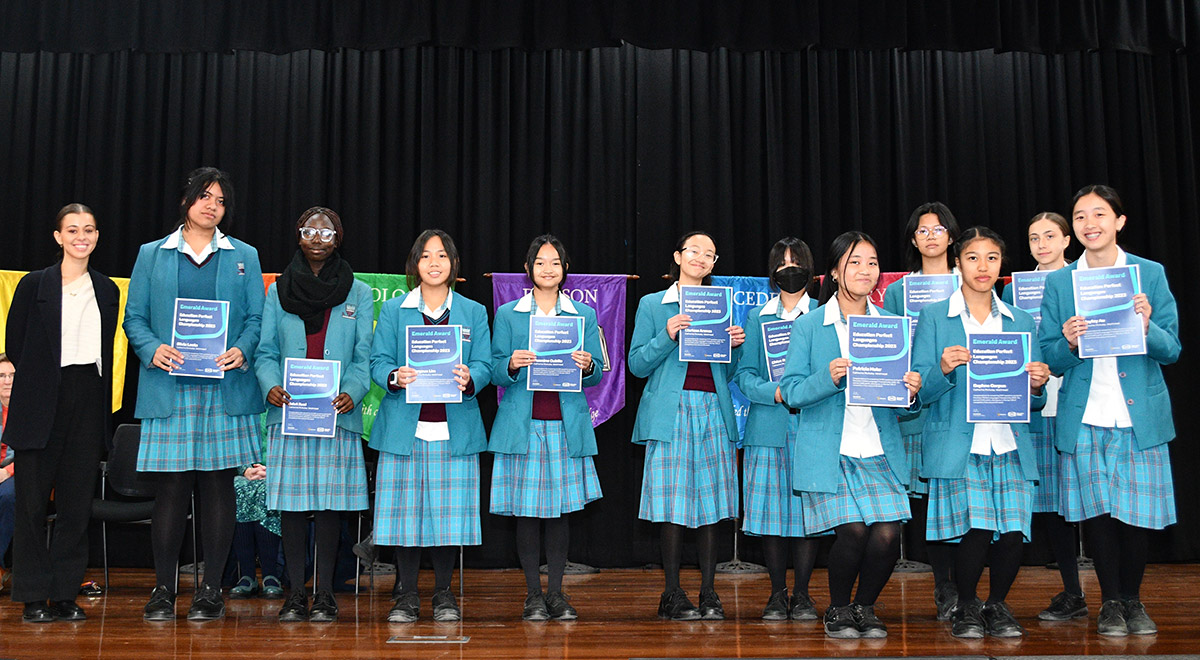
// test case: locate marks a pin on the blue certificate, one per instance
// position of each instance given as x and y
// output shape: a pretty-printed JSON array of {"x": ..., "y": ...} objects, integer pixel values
[
  {"x": 777, "y": 336},
  {"x": 1027, "y": 289},
  {"x": 434, "y": 351},
  {"x": 553, "y": 339},
  {"x": 880, "y": 352},
  {"x": 997, "y": 384},
  {"x": 1104, "y": 297},
  {"x": 707, "y": 338},
  {"x": 313, "y": 385},
  {"x": 921, "y": 290},
  {"x": 200, "y": 334}
]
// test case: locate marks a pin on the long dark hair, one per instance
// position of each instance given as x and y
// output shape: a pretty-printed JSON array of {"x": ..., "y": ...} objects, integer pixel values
[
  {"x": 842, "y": 245},
  {"x": 1107, "y": 193},
  {"x": 197, "y": 181},
  {"x": 801, "y": 254},
  {"x": 536, "y": 245},
  {"x": 679, "y": 248},
  {"x": 412, "y": 274},
  {"x": 980, "y": 232},
  {"x": 912, "y": 256}
]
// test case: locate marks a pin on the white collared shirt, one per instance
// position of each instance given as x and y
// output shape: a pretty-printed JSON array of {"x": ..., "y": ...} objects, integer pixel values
[
  {"x": 525, "y": 304},
  {"x": 80, "y": 330},
  {"x": 1106, "y": 400},
  {"x": 429, "y": 431},
  {"x": 774, "y": 307},
  {"x": 988, "y": 438},
  {"x": 860, "y": 433},
  {"x": 671, "y": 295},
  {"x": 175, "y": 242}
]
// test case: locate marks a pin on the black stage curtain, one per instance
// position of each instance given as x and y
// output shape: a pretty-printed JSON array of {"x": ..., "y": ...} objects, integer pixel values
[
  {"x": 618, "y": 151},
  {"x": 284, "y": 26}
]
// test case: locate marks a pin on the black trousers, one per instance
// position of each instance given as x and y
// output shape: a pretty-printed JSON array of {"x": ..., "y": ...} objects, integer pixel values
[{"x": 68, "y": 466}]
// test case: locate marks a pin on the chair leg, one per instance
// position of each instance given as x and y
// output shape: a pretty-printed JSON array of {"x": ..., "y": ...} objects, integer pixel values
[
  {"x": 357, "y": 559},
  {"x": 104, "y": 547},
  {"x": 195, "y": 552}
]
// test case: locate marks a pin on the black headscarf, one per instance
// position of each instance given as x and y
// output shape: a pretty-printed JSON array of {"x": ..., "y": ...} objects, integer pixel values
[{"x": 309, "y": 296}]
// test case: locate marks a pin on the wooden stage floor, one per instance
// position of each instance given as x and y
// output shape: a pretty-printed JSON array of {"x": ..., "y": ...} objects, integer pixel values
[{"x": 617, "y": 620}]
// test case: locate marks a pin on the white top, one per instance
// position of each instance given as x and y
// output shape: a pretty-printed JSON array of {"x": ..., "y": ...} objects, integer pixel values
[
  {"x": 80, "y": 324},
  {"x": 774, "y": 307},
  {"x": 175, "y": 242},
  {"x": 860, "y": 433},
  {"x": 429, "y": 431},
  {"x": 1106, "y": 400},
  {"x": 991, "y": 437},
  {"x": 525, "y": 304}
]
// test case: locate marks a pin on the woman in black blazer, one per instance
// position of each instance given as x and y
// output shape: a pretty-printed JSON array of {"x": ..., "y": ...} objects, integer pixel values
[{"x": 60, "y": 339}]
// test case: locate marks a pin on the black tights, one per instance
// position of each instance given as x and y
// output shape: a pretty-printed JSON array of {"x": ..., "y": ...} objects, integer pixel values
[
  {"x": 972, "y": 554},
  {"x": 408, "y": 565},
  {"x": 671, "y": 539},
  {"x": 168, "y": 522},
  {"x": 1060, "y": 534},
  {"x": 1119, "y": 552},
  {"x": 804, "y": 557},
  {"x": 529, "y": 550},
  {"x": 940, "y": 553},
  {"x": 295, "y": 547},
  {"x": 865, "y": 552}
]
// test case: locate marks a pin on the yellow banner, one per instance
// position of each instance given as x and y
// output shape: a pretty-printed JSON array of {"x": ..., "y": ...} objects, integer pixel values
[{"x": 8, "y": 285}]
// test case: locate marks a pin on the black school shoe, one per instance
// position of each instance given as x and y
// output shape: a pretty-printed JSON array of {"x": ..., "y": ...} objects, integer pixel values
[
  {"x": 559, "y": 606},
  {"x": 999, "y": 621},
  {"x": 802, "y": 607},
  {"x": 1137, "y": 622},
  {"x": 1111, "y": 620},
  {"x": 966, "y": 620},
  {"x": 711, "y": 608},
  {"x": 839, "y": 623},
  {"x": 295, "y": 608},
  {"x": 161, "y": 606},
  {"x": 445, "y": 606},
  {"x": 1065, "y": 607},
  {"x": 406, "y": 609},
  {"x": 207, "y": 605},
  {"x": 945, "y": 597},
  {"x": 868, "y": 624},
  {"x": 674, "y": 605},
  {"x": 777, "y": 606},
  {"x": 37, "y": 612},
  {"x": 67, "y": 610},
  {"x": 324, "y": 607},
  {"x": 535, "y": 608}
]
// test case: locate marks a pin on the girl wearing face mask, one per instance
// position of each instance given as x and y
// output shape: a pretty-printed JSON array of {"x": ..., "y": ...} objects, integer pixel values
[
  {"x": 316, "y": 310},
  {"x": 1049, "y": 236},
  {"x": 772, "y": 509},
  {"x": 543, "y": 441},
  {"x": 60, "y": 341},
  {"x": 685, "y": 419},
  {"x": 1114, "y": 418},
  {"x": 980, "y": 475},
  {"x": 427, "y": 484},
  {"x": 931, "y": 232}
]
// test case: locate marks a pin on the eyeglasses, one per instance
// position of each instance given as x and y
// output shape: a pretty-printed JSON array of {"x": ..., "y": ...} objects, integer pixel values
[
  {"x": 7, "y": 376},
  {"x": 693, "y": 253},
  {"x": 309, "y": 233},
  {"x": 937, "y": 230}
]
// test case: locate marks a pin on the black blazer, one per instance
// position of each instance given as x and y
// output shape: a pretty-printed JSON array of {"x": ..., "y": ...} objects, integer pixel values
[{"x": 34, "y": 344}]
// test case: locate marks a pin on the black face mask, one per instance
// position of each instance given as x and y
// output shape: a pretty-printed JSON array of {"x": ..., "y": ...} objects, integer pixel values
[{"x": 792, "y": 279}]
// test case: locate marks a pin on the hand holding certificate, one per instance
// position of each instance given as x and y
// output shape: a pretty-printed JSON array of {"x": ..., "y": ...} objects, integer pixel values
[
  {"x": 554, "y": 339},
  {"x": 201, "y": 330},
  {"x": 707, "y": 338},
  {"x": 433, "y": 351},
  {"x": 312, "y": 386},
  {"x": 879, "y": 354},
  {"x": 997, "y": 381},
  {"x": 1104, "y": 298}
]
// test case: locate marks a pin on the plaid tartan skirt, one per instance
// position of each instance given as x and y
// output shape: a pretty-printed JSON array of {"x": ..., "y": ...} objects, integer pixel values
[
  {"x": 428, "y": 498},
  {"x": 1046, "y": 492},
  {"x": 1108, "y": 474},
  {"x": 771, "y": 507},
  {"x": 691, "y": 480},
  {"x": 869, "y": 492},
  {"x": 912, "y": 449},
  {"x": 315, "y": 474},
  {"x": 199, "y": 436},
  {"x": 994, "y": 495},
  {"x": 547, "y": 481}
]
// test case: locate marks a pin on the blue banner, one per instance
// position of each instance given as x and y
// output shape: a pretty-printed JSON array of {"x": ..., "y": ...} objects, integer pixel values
[
  {"x": 200, "y": 334},
  {"x": 312, "y": 385},
  {"x": 748, "y": 292},
  {"x": 1104, "y": 297},
  {"x": 997, "y": 383},
  {"x": 434, "y": 351},
  {"x": 553, "y": 339},
  {"x": 879, "y": 357}
]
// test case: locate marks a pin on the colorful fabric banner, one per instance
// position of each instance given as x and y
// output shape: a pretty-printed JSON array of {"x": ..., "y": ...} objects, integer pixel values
[
  {"x": 606, "y": 295},
  {"x": 748, "y": 293},
  {"x": 384, "y": 286},
  {"x": 8, "y": 286}
]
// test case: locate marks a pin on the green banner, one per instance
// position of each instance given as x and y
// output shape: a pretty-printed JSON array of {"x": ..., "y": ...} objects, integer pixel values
[{"x": 384, "y": 286}]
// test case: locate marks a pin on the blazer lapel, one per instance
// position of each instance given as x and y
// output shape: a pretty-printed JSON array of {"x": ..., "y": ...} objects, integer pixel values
[{"x": 50, "y": 307}]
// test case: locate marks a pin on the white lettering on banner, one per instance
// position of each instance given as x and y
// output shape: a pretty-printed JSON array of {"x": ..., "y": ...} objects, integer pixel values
[
  {"x": 751, "y": 298},
  {"x": 589, "y": 296},
  {"x": 380, "y": 295}
]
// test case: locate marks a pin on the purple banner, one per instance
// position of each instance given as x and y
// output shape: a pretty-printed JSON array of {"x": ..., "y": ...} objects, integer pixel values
[{"x": 606, "y": 295}]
